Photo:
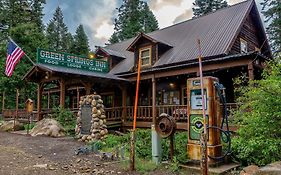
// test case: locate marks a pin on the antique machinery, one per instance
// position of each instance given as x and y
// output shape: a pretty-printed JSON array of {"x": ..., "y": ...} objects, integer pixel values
[
  {"x": 165, "y": 127},
  {"x": 215, "y": 119}
]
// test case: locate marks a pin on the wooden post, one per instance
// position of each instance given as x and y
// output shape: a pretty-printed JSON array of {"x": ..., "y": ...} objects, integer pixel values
[
  {"x": 39, "y": 99},
  {"x": 17, "y": 108},
  {"x": 124, "y": 103},
  {"x": 88, "y": 89},
  {"x": 78, "y": 98},
  {"x": 3, "y": 101},
  {"x": 251, "y": 71},
  {"x": 153, "y": 100},
  {"x": 48, "y": 99},
  {"x": 62, "y": 93}
]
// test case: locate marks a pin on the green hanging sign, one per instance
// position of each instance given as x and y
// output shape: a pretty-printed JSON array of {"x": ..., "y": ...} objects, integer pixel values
[{"x": 71, "y": 61}]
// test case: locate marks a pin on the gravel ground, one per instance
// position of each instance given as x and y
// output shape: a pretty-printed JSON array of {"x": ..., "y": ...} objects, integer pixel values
[{"x": 25, "y": 155}]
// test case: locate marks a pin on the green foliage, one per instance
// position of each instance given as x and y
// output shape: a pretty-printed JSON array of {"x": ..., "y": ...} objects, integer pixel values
[
  {"x": 143, "y": 145},
  {"x": 57, "y": 33},
  {"x": 66, "y": 118},
  {"x": 133, "y": 17},
  {"x": 259, "y": 118},
  {"x": 81, "y": 42},
  {"x": 175, "y": 165},
  {"x": 29, "y": 126},
  {"x": 202, "y": 7},
  {"x": 272, "y": 13}
]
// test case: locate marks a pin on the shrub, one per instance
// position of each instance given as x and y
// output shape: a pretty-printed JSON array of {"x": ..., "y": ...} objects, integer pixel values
[
  {"x": 259, "y": 118},
  {"x": 143, "y": 145},
  {"x": 66, "y": 118}
]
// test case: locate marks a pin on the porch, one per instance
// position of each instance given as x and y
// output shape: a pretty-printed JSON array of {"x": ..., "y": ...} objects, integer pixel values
[{"x": 119, "y": 117}]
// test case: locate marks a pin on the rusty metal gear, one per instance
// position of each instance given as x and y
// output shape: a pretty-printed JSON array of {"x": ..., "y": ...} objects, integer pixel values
[{"x": 165, "y": 125}]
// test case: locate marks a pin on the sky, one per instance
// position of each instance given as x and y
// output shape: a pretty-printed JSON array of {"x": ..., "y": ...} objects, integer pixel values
[{"x": 97, "y": 16}]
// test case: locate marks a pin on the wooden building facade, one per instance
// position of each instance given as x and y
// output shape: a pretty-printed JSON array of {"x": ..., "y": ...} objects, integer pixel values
[{"x": 233, "y": 43}]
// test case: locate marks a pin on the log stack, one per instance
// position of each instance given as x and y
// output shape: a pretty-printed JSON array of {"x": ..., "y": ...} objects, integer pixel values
[{"x": 98, "y": 129}]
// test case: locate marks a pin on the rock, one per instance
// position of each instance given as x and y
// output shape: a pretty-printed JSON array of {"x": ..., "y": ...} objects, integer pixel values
[
  {"x": 48, "y": 127},
  {"x": 84, "y": 137},
  {"x": 103, "y": 117},
  {"x": 271, "y": 169},
  {"x": 98, "y": 112},
  {"x": 94, "y": 102},
  {"x": 9, "y": 126},
  {"x": 40, "y": 166},
  {"x": 250, "y": 170}
]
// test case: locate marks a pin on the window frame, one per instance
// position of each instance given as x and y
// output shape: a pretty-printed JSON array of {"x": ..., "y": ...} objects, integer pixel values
[
  {"x": 242, "y": 41},
  {"x": 149, "y": 48}
]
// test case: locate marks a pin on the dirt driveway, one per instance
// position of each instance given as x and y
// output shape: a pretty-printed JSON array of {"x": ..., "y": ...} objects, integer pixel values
[{"x": 26, "y": 155}]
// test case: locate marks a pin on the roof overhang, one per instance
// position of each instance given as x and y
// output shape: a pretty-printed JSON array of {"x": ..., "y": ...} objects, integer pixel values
[{"x": 39, "y": 72}]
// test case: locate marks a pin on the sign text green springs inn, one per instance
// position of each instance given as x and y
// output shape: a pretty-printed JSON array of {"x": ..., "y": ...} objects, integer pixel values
[{"x": 71, "y": 61}]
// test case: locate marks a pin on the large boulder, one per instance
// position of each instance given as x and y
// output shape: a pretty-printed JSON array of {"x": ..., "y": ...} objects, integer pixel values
[
  {"x": 11, "y": 126},
  {"x": 250, "y": 170},
  {"x": 271, "y": 169},
  {"x": 48, "y": 127}
]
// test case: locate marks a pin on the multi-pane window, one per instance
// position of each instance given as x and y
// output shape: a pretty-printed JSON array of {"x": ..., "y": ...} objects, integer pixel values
[{"x": 145, "y": 56}]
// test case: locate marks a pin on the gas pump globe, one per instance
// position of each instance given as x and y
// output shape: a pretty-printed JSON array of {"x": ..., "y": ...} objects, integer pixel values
[{"x": 196, "y": 120}]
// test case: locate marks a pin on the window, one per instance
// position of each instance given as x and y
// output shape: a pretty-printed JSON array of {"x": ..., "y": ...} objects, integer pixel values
[
  {"x": 243, "y": 46},
  {"x": 145, "y": 56}
]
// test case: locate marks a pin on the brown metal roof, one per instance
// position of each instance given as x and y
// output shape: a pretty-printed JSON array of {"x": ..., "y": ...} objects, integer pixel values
[{"x": 216, "y": 31}]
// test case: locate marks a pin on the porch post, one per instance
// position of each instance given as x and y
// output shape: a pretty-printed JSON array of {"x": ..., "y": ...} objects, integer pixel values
[
  {"x": 62, "y": 93},
  {"x": 153, "y": 100},
  {"x": 39, "y": 99},
  {"x": 88, "y": 89},
  {"x": 124, "y": 103},
  {"x": 251, "y": 71},
  {"x": 48, "y": 99},
  {"x": 78, "y": 98}
]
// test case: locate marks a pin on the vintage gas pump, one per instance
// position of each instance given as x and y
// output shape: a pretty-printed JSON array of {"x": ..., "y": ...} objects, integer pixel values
[{"x": 195, "y": 119}]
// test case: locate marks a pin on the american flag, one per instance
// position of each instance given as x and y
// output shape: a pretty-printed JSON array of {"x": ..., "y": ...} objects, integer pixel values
[{"x": 13, "y": 56}]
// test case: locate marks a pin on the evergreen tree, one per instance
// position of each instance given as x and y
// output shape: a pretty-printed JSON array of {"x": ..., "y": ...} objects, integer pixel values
[
  {"x": 57, "y": 32},
  {"x": 134, "y": 16},
  {"x": 272, "y": 12},
  {"x": 19, "y": 20},
  {"x": 81, "y": 42},
  {"x": 202, "y": 7}
]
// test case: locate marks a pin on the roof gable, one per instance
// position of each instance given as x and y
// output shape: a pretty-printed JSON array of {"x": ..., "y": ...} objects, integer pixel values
[{"x": 216, "y": 31}]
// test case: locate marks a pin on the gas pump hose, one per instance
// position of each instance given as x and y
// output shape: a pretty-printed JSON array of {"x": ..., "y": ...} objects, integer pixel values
[{"x": 227, "y": 138}]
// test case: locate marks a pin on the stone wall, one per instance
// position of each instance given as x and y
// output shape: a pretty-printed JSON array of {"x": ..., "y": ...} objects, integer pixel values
[{"x": 98, "y": 129}]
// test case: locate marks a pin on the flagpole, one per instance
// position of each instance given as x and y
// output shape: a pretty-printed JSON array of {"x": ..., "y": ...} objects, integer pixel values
[{"x": 21, "y": 49}]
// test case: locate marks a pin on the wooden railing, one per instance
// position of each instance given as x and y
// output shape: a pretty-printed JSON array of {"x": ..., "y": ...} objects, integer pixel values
[
  {"x": 179, "y": 112},
  {"x": 113, "y": 114},
  {"x": 21, "y": 115}
]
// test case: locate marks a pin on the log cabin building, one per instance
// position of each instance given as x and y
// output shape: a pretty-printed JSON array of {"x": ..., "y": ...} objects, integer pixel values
[{"x": 233, "y": 42}]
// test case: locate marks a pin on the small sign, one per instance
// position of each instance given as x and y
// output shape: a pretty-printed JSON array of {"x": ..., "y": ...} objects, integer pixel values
[{"x": 71, "y": 61}]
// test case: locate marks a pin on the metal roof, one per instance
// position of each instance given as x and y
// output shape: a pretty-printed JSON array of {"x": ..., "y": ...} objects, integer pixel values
[
  {"x": 216, "y": 31},
  {"x": 74, "y": 71}
]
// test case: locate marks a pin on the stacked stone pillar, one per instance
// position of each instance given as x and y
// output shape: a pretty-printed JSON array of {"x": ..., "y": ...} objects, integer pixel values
[{"x": 98, "y": 129}]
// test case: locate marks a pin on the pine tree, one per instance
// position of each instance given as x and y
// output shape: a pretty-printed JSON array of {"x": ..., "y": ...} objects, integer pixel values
[
  {"x": 202, "y": 7},
  {"x": 272, "y": 12},
  {"x": 57, "y": 32},
  {"x": 134, "y": 16},
  {"x": 19, "y": 20},
  {"x": 81, "y": 42}
]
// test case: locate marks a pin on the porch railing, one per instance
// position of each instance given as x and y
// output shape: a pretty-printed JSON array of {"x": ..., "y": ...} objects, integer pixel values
[
  {"x": 113, "y": 114},
  {"x": 179, "y": 112}
]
